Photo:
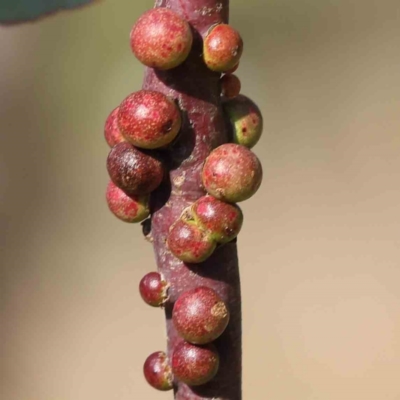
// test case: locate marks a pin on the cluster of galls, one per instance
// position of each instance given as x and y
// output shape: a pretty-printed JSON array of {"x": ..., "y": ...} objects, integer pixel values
[
  {"x": 144, "y": 121},
  {"x": 200, "y": 316},
  {"x": 231, "y": 173},
  {"x": 148, "y": 121},
  {"x": 204, "y": 225}
]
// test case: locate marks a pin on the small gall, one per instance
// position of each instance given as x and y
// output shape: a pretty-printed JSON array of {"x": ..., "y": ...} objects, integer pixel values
[
  {"x": 134, "y": 171},
  {"x": 161, "y": 39},
  {"x": 149, "y": 119},
  {"x": 200, "y": 315},
  {"x": 232, "y": 173},
  {"x": 222, "y": 48},
  {"x": 194, "y": 365},
  {"x": 127, "y": 208},
  {"x": 230, "y": 86},
  {"x": 157, "y": 371},
  {"x": 222, "y": 220},
  {"x": 246, "y": 121},
  {"x": 189, "y": 243},
  {"x": 153, "y": 289}
]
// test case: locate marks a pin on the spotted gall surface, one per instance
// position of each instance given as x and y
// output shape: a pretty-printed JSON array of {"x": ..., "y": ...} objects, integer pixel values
[
  {"x": 200, "y": 315},
  {"x": 194, "y": 365},
  {"x": 153, "y": 289},
  {"x": 232, "y": 173},
  {"x": 127, "y": 208},
  {"x": 161, "y": 39},
  {"x": 112, "y": 134},
  {"x": 189, "y": 243},
  {"x": 157, "y": 371},
  {"x": 246, "y": 121},
  {"x": 222, "y": 220},
  {"x": 222, "y": 48},
  {"x": 149, "y": 119}
]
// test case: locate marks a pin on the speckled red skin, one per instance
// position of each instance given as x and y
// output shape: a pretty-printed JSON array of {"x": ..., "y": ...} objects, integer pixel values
[
  {"x": 232, "y": 173},
  {"x": 222, "y": 220},
  {"x": 127, "y": 208},
  {"x": 157, "y": 371},
  {"x": 246, "y": 121},
  {"x": 134, "y": 171},
  {"x": 223, "y": 47},
  {"x": 149, "y": 119},
  {"x": 153, "y": 289},
  {"x": 112, "y": 133},
  {"x": 200, "y": 316},
  {"x": 230, "y": 86},
  {"x": 197, "y": 90},
  {"x": 194, "y": 365},
  {"x": 161, "y": 39},
  {"x": 189, "y": 243}
]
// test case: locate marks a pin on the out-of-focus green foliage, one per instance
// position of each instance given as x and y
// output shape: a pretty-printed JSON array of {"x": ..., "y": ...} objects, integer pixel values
[{"x": 25, "y": 10}]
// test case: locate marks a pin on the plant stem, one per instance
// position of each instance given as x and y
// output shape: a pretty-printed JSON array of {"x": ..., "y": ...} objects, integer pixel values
[{"x": 196, "y": 90}]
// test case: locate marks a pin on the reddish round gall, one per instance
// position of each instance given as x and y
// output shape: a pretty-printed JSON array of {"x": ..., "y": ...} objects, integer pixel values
[
  {"x": 157, "y": 371},
  {"x": 153, "y": 289},
  {"x": 149, "y": 119},
  {"x": 189, "y": 243},
  {"x": 200, "y": 315},
  {"x": 222, "y": 48},
  {"x": 245, "y": 119},
  {"x": 194, "y": 365},
  {"x": 112, "y": 133},
  {"x": 161, "y": 39},
  {"x": 134, "y": 171},
  {"x": 232, "y": 173},
  {"x": 230, "y": 86},
  {"x": 127, "y": 208},
  {"x": 222, "y": 220}
]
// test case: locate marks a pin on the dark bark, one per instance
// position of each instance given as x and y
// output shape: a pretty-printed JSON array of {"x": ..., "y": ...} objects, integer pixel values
[{"x": 196, "y": 90}]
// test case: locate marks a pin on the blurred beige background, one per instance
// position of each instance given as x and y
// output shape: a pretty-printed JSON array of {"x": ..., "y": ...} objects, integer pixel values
[{"x": 320, "y": 248}]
